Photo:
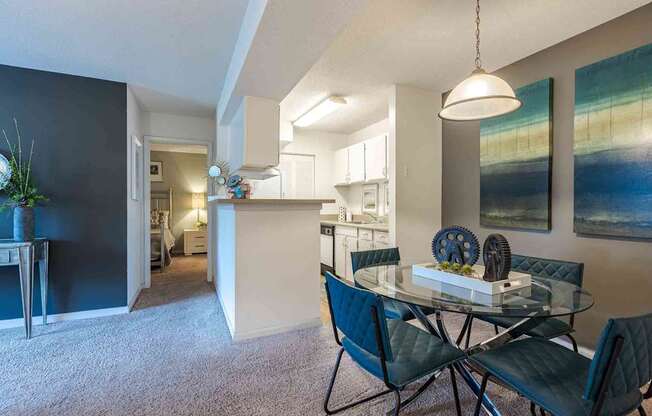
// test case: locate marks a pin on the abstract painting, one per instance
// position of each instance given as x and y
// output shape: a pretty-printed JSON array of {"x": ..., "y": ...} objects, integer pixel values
[
  {"x": 613, "y": 146},
  {"x": 515, "y": 160}
]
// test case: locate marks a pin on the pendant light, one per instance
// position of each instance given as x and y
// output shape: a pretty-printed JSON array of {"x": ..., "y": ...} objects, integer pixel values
[{"x": 481, "y": 95}]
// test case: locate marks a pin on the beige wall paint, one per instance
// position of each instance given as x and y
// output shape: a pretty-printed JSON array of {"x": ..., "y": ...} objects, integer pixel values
[
  {"x": 617, "y": 272},
  {"x": 415, "y": 170}
]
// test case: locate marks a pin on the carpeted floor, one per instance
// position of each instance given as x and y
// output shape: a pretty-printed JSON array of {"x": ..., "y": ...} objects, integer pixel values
[{"x": 173, "y": 356}]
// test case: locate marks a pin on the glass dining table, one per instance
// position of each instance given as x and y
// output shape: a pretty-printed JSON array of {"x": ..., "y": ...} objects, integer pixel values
[{"x": 544, "y": 298}]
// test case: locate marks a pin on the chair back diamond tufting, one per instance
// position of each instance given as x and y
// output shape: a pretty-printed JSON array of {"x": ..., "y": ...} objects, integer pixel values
[
  {"x": 357, "y": 313},
  {"x": 629, "y": 340},
  {"x": 380, "y": 257},
  {"x": 566, "y": 271}
]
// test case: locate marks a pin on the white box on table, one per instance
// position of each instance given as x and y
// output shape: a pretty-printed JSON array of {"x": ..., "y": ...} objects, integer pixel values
[{"x": 515, "y": 280}]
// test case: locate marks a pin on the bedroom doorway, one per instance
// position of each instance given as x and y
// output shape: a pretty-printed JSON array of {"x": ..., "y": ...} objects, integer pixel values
[{"x": 177, "y": 218}]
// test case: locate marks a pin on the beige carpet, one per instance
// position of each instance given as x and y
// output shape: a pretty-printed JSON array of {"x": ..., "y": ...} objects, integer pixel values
[{"x": 173, "y": 356}]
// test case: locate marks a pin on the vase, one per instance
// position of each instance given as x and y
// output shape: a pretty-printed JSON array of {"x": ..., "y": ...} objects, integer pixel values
[{"x": 23, "y": 224}]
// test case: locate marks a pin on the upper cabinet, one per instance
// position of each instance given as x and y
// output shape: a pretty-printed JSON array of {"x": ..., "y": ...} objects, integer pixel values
[
  {"x": 362, "y": 162},
  {"x": 341, "y": 171},
  {"x": 376, "y": 158},
  {"x": 356, "y": 163}
]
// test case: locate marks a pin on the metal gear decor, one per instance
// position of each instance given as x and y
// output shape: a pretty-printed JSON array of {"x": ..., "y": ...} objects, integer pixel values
[
  {"x": 497, "y": 258},
  {"x": 456, "y": 244}
]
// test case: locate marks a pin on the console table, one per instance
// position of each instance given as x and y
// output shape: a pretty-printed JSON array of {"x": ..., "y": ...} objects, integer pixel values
[{"x": 23, "y": 254}]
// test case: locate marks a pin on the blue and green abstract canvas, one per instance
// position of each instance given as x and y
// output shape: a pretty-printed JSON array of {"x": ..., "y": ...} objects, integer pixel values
[
  {"x": 515, "y": 160},
  {"x": 613, "y": 146}
]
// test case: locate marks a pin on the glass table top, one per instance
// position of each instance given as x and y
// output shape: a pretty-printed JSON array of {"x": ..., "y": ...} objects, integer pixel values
[{"x": 545, "y": 297}]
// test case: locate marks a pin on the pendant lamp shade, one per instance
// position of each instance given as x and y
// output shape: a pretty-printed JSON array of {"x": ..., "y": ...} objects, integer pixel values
[
  {"x": 478, "y": 97},
  {"x": 481, "y": 95}
]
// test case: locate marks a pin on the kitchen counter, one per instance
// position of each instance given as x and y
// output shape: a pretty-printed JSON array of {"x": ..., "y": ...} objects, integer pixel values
[
  {"x": 268, "y": 201},
  {"x": 375, "y": 227}
]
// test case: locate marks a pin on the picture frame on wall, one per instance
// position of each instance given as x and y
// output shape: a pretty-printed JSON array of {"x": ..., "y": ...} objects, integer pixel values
[
  {"x": 156, "y": 171},
  {"x": 136, "y": 168}
]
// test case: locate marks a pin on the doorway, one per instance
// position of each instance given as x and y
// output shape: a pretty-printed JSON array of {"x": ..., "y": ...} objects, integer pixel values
[{"x": 178, "y": 230}]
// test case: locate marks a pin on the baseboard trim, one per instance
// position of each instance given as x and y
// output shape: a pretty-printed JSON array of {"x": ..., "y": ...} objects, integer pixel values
[
  {"x": 241, "y": 336},
  {"x": 133, "y": 300},
  {"x": 587, "y": 352},
  {"x": 229, "y": 324},
  {"x": 69, "y": 316}
]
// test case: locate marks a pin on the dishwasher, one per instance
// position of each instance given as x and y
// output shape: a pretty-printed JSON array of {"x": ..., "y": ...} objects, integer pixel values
[{"x": 327, "y": 249}]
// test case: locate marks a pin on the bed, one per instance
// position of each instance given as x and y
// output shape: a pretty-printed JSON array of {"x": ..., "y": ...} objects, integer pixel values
[{"x": 161, "y": 237}]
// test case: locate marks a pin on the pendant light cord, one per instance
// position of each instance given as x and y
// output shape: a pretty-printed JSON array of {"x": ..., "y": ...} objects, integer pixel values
[{"x": 478, "y": 62}]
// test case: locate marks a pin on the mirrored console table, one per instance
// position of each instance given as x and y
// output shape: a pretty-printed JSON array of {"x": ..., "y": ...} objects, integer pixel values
[{"x": 23, "y": 254}]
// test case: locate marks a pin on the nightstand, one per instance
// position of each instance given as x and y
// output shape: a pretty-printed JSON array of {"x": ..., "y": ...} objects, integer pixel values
[{"x": 194, "y": 241}]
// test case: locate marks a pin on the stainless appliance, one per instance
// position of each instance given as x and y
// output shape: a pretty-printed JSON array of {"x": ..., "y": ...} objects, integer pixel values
[{"x": 327, "y": 249}]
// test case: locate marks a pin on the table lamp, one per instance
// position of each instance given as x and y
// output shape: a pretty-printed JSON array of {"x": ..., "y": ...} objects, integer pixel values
[{"x": 198, "y": 202}]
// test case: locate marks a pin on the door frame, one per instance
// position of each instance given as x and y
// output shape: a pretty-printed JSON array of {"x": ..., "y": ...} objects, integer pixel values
[{"x": 147, "y": 142}]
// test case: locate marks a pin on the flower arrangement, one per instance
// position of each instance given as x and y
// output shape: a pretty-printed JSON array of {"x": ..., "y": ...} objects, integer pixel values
[
  {"x": 461, "y": 269},
  {"x": 20, "y": 188}
]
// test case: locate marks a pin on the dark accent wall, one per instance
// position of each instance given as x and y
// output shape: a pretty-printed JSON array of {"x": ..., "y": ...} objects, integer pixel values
[
  {"x": 79, "y": 126},
  {"x": 617, "y": 272}
]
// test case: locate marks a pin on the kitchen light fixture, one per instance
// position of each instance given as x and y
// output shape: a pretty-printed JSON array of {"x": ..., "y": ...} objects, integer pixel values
[
  {"x": 320, "y": 111},
  {"x": 481, "y": 95}
]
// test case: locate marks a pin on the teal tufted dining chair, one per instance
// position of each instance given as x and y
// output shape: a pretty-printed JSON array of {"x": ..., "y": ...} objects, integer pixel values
[
  {"x": 394, "y": 351},
  {"x": 565, "y": 383},
  {"x": 394, "y": 309},
  {"x": 566, "y": 271}
]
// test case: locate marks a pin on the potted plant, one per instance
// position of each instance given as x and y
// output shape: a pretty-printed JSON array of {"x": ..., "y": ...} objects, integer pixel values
[{"x": 22, "y": 194}]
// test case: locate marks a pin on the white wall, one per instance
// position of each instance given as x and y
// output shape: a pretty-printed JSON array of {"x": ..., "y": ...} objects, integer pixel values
[
  {"x": 323, "y": 146},
  {"x": 369, "y": 132},
  {"x": 415, "y": 168},
  {"x": 135, "y": 260},
  {"x": 176, "y": 126}
]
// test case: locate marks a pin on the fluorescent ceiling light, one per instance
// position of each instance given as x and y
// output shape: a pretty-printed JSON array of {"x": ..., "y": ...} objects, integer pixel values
[{"x": 320, "y": 111}]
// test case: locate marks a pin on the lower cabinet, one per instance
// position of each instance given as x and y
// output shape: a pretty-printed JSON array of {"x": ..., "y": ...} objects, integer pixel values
[
  {"x": 340, "y": 255},
  {"x": 350, "y": 239}
]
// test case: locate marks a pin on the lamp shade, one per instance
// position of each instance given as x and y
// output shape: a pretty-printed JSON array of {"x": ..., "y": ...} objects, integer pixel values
[
  {"x": 198, "y": 200},
  {"x": 478, "y": 97}
]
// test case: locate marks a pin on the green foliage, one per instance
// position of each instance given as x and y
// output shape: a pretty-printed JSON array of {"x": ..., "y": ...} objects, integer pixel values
[
  {"x": 456, "y": 267},
  {"x": 467, "y": 270},
  {"x": 20, "y": 189},
  {"x": 444, "y": 265}
]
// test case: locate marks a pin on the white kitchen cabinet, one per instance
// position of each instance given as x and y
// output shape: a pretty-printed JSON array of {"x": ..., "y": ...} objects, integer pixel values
[
  {"x": 356, "y": 163},
  {"x": 364, "y": 245},
  {"x": 340, "y": 255},
  {"x": 341, "y": 174},
  {"x": 326, "y": 250},
  {"x": 375, "y": 155},
  {"x": 381, "y": 240},
  {"x": 351, "y": 245}
]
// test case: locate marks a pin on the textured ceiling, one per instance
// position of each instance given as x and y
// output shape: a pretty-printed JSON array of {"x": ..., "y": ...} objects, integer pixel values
[
  {"x": 429, "y": 44},
  {"x": 176, "y": 51}
]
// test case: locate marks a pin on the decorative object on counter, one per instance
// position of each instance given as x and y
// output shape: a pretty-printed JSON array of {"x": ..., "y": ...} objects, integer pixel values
[
  {"x": 341, "y": 214},
  {"x": 481, "y": 95},
  {"x": 156, "y": 171},
  {"x": 497, "y": 258},
  {"x": 613, "y": 146},
  {"x": 456, "y": 244},
  {"x": 22, "y": 194},
  {"x": 515, "y": 163},
  {"x": 219, "y": 172},
  {"x": 238, "y": 188}
]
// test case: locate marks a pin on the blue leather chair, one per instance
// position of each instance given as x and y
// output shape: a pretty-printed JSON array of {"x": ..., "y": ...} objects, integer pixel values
[
  {"x": 565, "y": 383},
  {"x": 387, "y": 256},
  {"x": 394, "y": 351},
  {"x": 552, "y": 269}
]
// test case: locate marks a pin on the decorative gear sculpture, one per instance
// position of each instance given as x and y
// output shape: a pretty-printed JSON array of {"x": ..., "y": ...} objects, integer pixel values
[
  {"x": 456, "y": 244},
  {"x": 497, "y": 258}
]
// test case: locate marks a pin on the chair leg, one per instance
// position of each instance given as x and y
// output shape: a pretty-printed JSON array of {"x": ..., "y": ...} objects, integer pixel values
[
  {"x": 496, "y": 329},
  {"x": 397, "y": 397},
  {"x": 483, "y": 387},
  {"x": 468, "y": 334},
  {"x": 455, "y": 394},
  {"x": 332, "y": 383},
  {"x": 465, "y": 327},
  {"x": 573, "y": 341},
  {"x": 641, "y": 411}
]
